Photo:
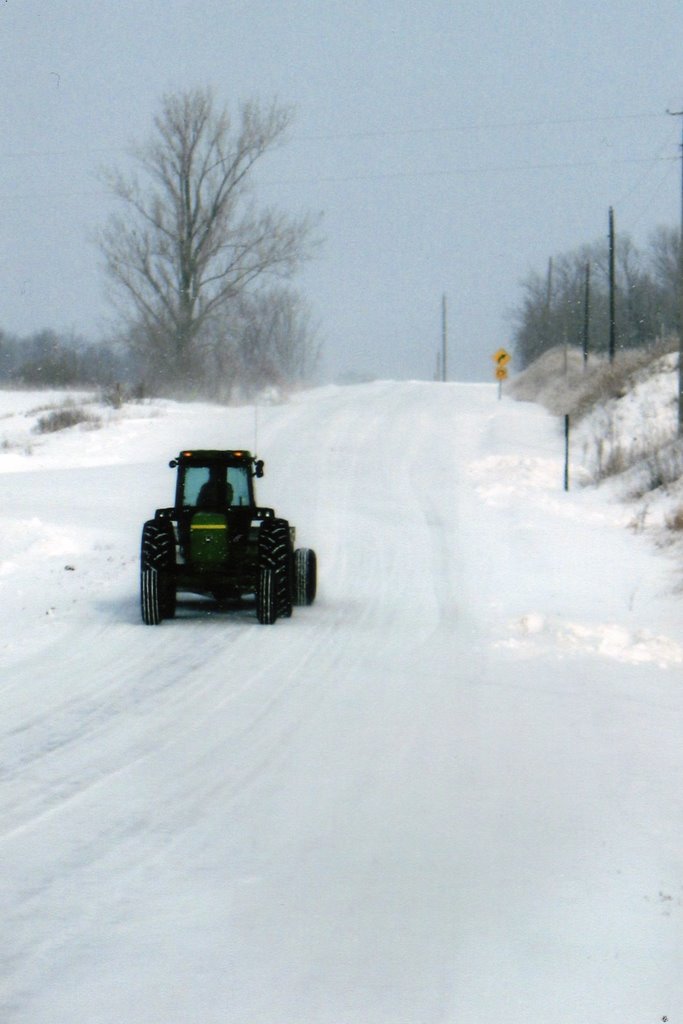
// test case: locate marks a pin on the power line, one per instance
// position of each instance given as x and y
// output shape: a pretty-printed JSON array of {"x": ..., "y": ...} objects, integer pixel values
[
  {"x": 379, "y": 133},
  {"x": 442, "y": 172},
  {"x": 472, "y": 126},
  {"x": 666, "y": 144},
  {"x": 7, "y": 196},
  {"x": 455, "y": 171},
  {"x": 43, "y": 153},
  {"x": 645, "y": 206}
]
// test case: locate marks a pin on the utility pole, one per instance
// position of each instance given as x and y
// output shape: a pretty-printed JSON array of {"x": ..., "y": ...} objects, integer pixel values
[
  {"x": 444, "y": 340},
  {"x": 679, "y": 113},
  {"x": 586, "y": 314},
  {"x": 612, "y": 290},
  {"x": 548, "y": 302}
]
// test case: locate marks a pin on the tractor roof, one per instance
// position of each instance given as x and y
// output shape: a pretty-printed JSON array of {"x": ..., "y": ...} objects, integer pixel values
[
  {"x": 233, "y": 457},
  {"x": 213, "y": 455}
]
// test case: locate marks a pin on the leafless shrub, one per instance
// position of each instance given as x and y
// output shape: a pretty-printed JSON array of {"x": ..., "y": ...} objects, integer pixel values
[
  {"x": 113, "y": 396},
  {"x": 675, "y": 520},
  {"x": 68, "y": 415},
  {"x": 611, "y": 461},
  {"x": 639, "y": 520},
  {"x": 651, "y": 459},
  {"x": 660, "y": 469},
  {"x": 605, "y": 382},
  {"x": 15, "y": 446},
  {"x": 48, "y": 407}
]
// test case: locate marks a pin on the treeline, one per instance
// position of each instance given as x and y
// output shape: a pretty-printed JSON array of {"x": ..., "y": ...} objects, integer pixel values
[
  {"x": 50, "y": 359},
  {"x": 269, "y": 341},
  {"x": 570, "y": 302}
]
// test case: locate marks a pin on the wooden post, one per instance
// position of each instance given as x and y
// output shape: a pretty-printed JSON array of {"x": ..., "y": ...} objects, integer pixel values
[{"x": 612, "y": 290}]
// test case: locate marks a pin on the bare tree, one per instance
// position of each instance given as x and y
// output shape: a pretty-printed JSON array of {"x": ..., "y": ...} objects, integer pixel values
[
  {"x": 665, "y": 248},
  {"x": 270, "y": 340},
  {"x": 190, "y": 240},
  {"x": 278, "y": 342}
]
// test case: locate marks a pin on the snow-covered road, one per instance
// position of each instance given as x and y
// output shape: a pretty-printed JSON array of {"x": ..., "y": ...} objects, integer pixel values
[{"x": 449, "y": 791}]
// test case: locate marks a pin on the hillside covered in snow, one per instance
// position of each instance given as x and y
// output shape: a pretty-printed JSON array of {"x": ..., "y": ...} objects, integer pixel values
[{"x": 624, "y": 429}]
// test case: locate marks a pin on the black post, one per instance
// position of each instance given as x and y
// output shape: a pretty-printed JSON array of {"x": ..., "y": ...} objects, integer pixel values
[{"x": 566, "y": 453}]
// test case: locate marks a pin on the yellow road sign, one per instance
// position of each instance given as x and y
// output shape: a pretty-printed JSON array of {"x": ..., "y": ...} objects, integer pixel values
[
  {"x": 501, "y": 373},
  {"x": 502, "y": 357}
]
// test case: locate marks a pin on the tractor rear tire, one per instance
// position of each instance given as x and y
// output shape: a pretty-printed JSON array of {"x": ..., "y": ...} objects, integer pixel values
[
  {"x": 275, "y": 553},
  {"x": 266, "y": 597},
  {"x": 157, "y": 554},
  {"x": 150, "y": 598},
  {"x": 305, "y": 576}
]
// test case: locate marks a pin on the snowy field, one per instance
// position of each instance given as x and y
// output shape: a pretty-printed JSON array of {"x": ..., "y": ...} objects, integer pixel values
[{"x": 450, "y": 792}]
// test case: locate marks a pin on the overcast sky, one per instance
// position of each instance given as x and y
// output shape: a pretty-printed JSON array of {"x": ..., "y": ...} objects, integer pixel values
[{"x": 451, "y": 146}]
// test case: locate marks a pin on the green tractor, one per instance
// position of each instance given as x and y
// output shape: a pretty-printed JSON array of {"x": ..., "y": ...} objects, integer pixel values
[{"x": 217, "y": 541}]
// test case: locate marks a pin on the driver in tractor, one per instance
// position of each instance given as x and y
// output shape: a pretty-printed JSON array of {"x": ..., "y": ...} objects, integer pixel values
[{"x": 215, "y": 492}]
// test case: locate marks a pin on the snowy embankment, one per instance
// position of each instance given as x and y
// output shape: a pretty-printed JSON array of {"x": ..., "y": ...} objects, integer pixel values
[
  {"x": 624, "y": 428},
  {"x": 448, "y": 791}
]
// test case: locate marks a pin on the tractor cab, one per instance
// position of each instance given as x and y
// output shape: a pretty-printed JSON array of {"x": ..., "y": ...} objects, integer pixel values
[
  {"x": 216, "y": 481},
  {"x": 215, "y": 505}
]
